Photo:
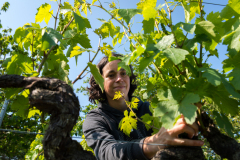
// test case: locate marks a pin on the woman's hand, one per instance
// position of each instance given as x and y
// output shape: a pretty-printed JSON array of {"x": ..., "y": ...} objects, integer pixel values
[{"x": 170, "y": 137}]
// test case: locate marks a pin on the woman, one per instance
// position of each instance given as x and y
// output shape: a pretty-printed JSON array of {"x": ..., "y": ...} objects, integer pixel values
[{"x": 101, "y": 125}]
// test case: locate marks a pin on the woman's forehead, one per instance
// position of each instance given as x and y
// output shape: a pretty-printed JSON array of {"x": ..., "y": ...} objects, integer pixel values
[{"x": 113, "y": 65}]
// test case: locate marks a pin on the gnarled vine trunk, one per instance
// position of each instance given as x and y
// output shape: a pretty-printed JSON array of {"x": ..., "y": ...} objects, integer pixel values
[{"x": 57, "y": 98}]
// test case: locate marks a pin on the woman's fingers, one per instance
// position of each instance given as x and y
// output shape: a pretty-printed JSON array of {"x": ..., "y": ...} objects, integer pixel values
[
  {"x": 195, "y": 127},
  {"x": 186, "y": 142},
  {"x": 181, "y": 125},
  {"x": 182, "y": 128}
]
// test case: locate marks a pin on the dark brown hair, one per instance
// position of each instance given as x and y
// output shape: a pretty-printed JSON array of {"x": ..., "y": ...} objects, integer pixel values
[{"x": 95, "y": 92}]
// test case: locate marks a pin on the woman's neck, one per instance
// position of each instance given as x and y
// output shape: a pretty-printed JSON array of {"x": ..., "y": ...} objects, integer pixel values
[{"x": 118, "y": 104}]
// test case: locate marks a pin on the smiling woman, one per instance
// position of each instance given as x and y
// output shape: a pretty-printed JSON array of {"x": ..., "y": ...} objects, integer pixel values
[
  {"x": 95, "y": 91},
  {"x": 101, "y": 126}
]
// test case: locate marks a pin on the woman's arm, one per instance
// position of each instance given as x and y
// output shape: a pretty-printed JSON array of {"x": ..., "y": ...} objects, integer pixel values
[
  {"x": 170, "y": 137},
  {"x": 105, "y": 146}
]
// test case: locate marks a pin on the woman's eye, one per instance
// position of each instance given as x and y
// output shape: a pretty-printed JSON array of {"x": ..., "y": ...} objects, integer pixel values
[
  {"x": 124, "y": 73},
  {"x": 110, "y": 75}
]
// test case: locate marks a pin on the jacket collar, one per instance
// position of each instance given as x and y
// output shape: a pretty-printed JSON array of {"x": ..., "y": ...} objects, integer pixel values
[{"x": 108, "y": 108}]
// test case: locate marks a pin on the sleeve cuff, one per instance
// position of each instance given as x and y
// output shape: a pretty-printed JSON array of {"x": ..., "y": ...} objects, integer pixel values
[{"x": 138, "y": 150}]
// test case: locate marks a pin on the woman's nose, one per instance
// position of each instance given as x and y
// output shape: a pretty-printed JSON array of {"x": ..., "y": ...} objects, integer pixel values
[{"x": 119, "y": 78}]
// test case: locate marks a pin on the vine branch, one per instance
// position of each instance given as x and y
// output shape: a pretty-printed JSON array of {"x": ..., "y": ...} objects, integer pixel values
[
  {"x": 64, "y": 29},
  {"x": 79, "y": 76},
  {"x": 59, "y": 5},
  {"x": 137, "y": 116},
  {"x": 171, "y": 25}
]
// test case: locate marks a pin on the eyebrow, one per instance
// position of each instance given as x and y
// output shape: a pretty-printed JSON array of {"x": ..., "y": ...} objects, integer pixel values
[{"x": 113, "y": 71}]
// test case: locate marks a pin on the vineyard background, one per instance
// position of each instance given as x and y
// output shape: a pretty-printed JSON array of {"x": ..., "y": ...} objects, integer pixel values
[{"x": 18, "y": 16}]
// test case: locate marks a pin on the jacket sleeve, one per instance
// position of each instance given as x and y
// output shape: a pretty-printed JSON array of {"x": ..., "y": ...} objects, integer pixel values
[{"x": 105, "y": 146}]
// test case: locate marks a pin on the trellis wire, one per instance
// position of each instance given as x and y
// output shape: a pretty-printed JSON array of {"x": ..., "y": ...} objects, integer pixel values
[{"x": 118, "y": 141}]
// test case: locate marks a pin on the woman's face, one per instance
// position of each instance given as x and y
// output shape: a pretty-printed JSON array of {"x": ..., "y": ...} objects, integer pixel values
[{"x": 115, "y": 80}]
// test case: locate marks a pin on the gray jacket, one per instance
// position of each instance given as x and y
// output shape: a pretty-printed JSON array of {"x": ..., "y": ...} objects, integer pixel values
[{"x": 102, "y": 123}]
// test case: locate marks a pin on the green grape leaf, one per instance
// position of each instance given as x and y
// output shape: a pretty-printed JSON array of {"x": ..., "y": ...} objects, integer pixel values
[
  {"x": 233, "y": 39},
  {"x": 148, "y": 25},
  {"x": 146, "y": 118},
  {"x": 236, "y": 77},
  {"x": 70, "y": 50},
  {"x": 223, "y": 123},
  {"x": 186, "y": 12},
  {"x": 198, "y": 86},
  {"x": 151, "y": 83},
  {"x": 82, "y": 23},
  {"x": 19, "y": 64},
  {"x": 125, "y": 66},
  {"x": 21, "y": 105},
  {"x": 187, "y": 107},
  {"x": 81, "y": 39},
  {"x": 127, "y": 124},
  {"x": 212, "y": 75},
  {"x": 11, "y": 92},
  {"x": 216, "y": 78},
  {"x": 157, "y": 123},
  {"x": 214, "y": 52},
  {"x": 136, "y": 53},
  {"x": 168, "y": 106},
  {"x": 223, "y": 100},
  {"x": 207, "y": 27},
  {"x": 190, "y": 28},
  {"x": 228, "y": 126},
  {"x": 70, "y": 33},
  {"x": 96, "y": 74},
  {"x": 169, "y": 111},
  {"x": 50, "y": 38},
  {"x": 144, "y": 62},
  {"x": 127, "y": 14},
  {"x": 63, "y": 71},
  {"x": 44, "y": 13},
  {"x": 20, "y": 35},
  {"x": 219, "y": 119},
  {"x": 164, "y": 43},
  {"x": 176, "y": 55}
]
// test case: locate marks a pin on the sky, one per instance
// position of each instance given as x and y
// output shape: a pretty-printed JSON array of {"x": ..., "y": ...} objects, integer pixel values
[{"x": 22, "y": 12}]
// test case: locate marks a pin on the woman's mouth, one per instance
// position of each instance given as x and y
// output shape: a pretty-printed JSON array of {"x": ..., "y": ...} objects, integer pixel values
[{"x": 119, "y": 87}]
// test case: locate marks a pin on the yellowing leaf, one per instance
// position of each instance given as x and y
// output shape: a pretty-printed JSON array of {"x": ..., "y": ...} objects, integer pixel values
[
  {"x": 146, "y": 3},
  {"x": 148, "y": 13},
  {"x": 44, "y": 13},
  {"x": 94, "y": 1},
  {"x": 25, "y": 93},
  {"x": 76, "y": 51},
  {"x": 107, "y": 50},
  {"x": 134, "y": 103},
  {"x": 84, "y": 8},
  {"x": 117, "y": 95},
  {"x": 33, "y": 111},
  {"x": 194, "y": 8},
  {"x": 128, "y": 123}
]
